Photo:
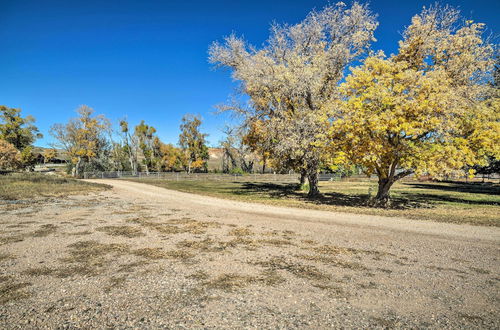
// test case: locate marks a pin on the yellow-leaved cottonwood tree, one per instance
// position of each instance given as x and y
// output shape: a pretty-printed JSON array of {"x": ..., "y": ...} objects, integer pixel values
[
  {"x": 193, "y": 143},
  {"x": 290, "y": 79},
  {"x": 49, "y": 154},
  {"x": 84, "y": 139},
  {"x": 428, "y": 109}
]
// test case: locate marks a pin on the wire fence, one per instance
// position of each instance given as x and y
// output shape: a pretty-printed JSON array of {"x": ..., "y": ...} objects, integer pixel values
[{"x": 184, "y": 176}]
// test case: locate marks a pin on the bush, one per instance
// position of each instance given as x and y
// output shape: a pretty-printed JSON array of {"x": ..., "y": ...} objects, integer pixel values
[{"x": 237, "y": 171}]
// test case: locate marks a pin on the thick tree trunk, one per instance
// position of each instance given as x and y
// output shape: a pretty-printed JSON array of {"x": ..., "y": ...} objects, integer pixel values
[
  {"x": 312, "y": 177},
  {"x": 383, "y": 195}
]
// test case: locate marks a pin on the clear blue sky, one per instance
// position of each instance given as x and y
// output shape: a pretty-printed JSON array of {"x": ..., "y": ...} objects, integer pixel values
[{"x": 148, "y": 59}]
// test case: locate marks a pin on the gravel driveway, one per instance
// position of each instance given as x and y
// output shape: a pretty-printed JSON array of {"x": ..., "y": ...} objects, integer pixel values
[{"x": 139, "y": 256}]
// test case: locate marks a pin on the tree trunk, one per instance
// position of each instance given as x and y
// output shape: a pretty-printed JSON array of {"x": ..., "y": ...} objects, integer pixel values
[
  {"x": 264, "y": 165},
  {"x": 76, "y": 172},
  {"x": 383, "y": 196},
  {"x": 303, "y": 176},
  {"x": 312, "y": 177}
]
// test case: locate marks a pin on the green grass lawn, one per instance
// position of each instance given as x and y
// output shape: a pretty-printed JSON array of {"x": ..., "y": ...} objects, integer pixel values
[
  {"x": 472, "y": 203},
  {"x": 33, "y": 185}
]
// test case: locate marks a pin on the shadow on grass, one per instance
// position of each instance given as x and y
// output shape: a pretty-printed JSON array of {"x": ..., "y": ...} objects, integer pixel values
[
  {"x": 274, "y": 190},
  {"x": 402, "y": 200},
  {"x": 471, "y": 188}
]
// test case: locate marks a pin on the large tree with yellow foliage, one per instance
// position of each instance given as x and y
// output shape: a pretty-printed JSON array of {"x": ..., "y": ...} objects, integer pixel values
[
  {"x": 84, "y": 138},
  {"x": 291, "y": 78},
  {"x": 428, "y": 109}
]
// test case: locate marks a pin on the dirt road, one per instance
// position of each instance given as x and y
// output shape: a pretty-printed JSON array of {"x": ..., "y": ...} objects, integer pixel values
[{"x": 144, "y": 256}]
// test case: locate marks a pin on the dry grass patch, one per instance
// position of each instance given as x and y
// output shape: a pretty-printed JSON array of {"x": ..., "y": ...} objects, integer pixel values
[
  {"x": 176, "y": 226},
  {"x": 34, "y": 185},
  {"x": 332, "y": 261},
  {"x": 16, "y": 225},
  {"x": 182, "y": 221},
  {"x": 86, "y": 258},
  {"x": 10, "y": 291},
  {"x": 270, "y": 277},
  {"x": 150, "y": 253},
  {"x": 159, "y": 253},
  {"x": 229, "y": 282},
  {"x": 15, "y": 205},
  {"x": 300, "y": 270},
  {"x": 11, "y": 239},
  {"x": 6, "y": 256},
  {"x": 115, "y": 282},
  {"x": 29, "y": 222},
  {"x": 89, "y": 250},
  {"x": 38, "y": 271},
  {"x": 89, "y": 258},
  {"x": 309, "y": 242},
  {"x": 449, "y": 269},
  {"x": 132, "y": 266},
  {"x": 64, "y": 271},
  {"x": 5, "y": 278},
  {"x": 80, "y": 233},
  {"x": 199, "y": 275},
  {"x": 337, "y": 250},
  {"x": 127, "y": 231},
  {"x": 210, "y": 245},
  {"x": 200, "y": 227},
  {"x": 479, "y": 270},
  {"x": 384, "y": 323},
  {"x": 206, "y": 245},
  {"x": 45, "y": 230},
  {"x": 180, "y": 255},
  {"x": 275, "y": 242},
  {"x": 241, "y": 232}
]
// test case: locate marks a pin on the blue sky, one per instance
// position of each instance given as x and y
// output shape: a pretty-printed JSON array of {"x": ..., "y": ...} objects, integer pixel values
[{"x": 148, "y": 59}]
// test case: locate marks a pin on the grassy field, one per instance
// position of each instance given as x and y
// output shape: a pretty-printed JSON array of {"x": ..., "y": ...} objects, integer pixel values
[
  {"x": 32, "y": 185},
  {"x": 472, "y": 203}
]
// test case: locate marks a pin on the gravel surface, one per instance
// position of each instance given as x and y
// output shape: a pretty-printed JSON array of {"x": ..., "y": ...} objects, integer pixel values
[{"x": 140, "y": 256}]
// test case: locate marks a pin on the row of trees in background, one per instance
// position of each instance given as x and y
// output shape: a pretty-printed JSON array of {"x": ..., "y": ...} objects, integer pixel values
[
  {"x": 90, "y": 144},
  {"x": 431, "y": 108}
]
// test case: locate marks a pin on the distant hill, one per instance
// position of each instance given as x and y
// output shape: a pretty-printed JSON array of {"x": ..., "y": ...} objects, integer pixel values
[{"x": 61, "y": 155}]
